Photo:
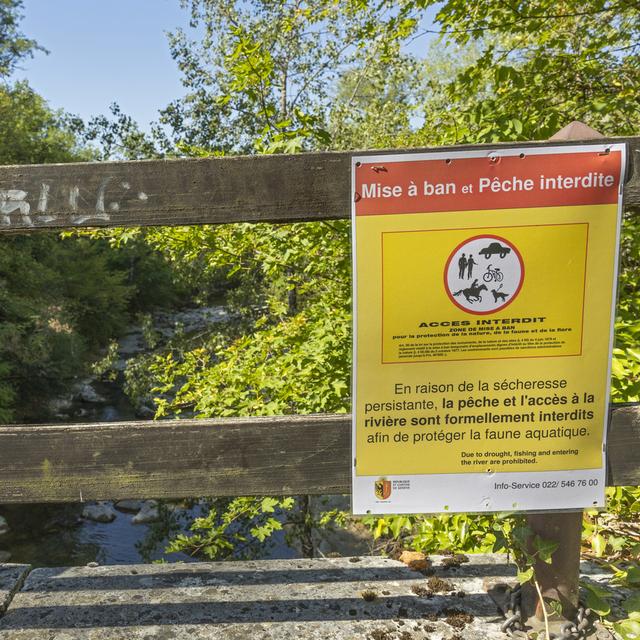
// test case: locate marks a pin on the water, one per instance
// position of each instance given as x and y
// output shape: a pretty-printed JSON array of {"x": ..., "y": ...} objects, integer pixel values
[{"x": 57, "y": 535}]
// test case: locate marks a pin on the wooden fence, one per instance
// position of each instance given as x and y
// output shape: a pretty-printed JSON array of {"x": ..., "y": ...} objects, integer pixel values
[{"x": 282, "y": 455}]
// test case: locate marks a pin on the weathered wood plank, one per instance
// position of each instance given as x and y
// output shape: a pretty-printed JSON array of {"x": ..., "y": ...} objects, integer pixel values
[
  {"x": 235, "y": 456},
  {"x": 284, "y": 455},
  {"x": 623, "y": 445},
  {"x": 281, "y": 188}
]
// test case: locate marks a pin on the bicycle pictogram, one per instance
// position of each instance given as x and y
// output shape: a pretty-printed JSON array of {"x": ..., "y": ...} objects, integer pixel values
[{"x": 493, "y": 274}]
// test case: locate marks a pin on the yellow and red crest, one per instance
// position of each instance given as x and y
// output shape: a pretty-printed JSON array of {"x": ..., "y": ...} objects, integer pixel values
[{"x": 382, "y": 489}]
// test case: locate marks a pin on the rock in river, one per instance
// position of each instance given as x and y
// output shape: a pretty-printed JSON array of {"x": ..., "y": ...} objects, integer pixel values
[
  {"x": 99, "y": 512},
  {"x": 148, "y": 513},
  {"x": 129, "y": 506},
  {"x": 87, "y": 393},
  {"x": 4, "y": 526}
]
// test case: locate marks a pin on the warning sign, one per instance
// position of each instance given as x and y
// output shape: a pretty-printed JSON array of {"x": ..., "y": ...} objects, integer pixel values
[{"x": 483, "y": 310}]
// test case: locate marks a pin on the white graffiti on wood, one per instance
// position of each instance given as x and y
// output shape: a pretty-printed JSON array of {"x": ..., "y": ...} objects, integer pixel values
[
  {"x": 74, "y": 193},
  {"x": 100, "y": 213},
  {"x": 82, "y": 208},
  {"x": 12, "y": 200},
  {"x": 43, "y": 200}
]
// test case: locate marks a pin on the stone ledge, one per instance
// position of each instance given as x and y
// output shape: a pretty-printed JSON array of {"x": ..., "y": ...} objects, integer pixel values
[
  {"x": 284, "y": 599},
  {"x": 11, "y": 578}
]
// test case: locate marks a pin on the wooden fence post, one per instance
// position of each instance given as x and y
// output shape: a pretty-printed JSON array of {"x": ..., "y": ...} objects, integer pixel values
[{"x": 558, "y": 580}]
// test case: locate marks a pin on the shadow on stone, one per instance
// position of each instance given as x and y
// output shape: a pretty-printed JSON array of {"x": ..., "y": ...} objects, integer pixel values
[{"x": 120, "y": 614}]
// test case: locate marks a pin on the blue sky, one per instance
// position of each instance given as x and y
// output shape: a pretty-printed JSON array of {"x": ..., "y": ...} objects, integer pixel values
[{"x": 103, "y": 51}]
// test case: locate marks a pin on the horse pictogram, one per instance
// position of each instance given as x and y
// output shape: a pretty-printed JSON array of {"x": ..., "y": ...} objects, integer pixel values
[{"x": 472, "y": 293}]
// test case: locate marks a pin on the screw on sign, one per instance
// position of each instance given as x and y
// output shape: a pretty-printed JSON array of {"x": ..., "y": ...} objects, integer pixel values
[{"x": 484, "y": 274}]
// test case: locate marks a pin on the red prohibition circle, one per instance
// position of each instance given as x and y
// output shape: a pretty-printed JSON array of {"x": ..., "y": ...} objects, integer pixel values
[{"x": 516, "y": 292}]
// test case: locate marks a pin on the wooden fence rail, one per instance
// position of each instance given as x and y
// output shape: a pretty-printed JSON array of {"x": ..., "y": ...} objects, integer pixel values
[
  {"x": 281, "y": 188},
  {"x": 228, "y": 457}
]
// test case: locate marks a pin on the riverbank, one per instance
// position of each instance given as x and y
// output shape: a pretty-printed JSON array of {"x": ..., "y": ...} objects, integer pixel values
[{"x": 72, "y": 535}]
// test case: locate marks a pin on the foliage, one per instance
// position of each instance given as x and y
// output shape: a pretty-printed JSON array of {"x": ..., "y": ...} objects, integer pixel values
[
  {"x": 305, "y": 347},
  {"x": 543, "y": 64},
  {"x": 625, "y": 369},
  {"x": 14, "y": 45},
  {"x": 292, "y": 357},
  {"x": 232, "y": 528},
  {"x": 115, "y": 136},
  {"x": 260, "y": 80},
  {"x": 376, "y": 103},
  {"x": 264, "y": 72},
  {"x": 263, "y": 76},
  {"x": 30, "y": 132},
  {"x": 58, "y": 300},
  {"x": 459, "y": 532},
  {"x": 61, "y": 298},
  {"x": 624, "y": 619}
]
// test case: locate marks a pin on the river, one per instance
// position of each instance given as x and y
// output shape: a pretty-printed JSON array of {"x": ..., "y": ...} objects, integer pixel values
[{"x": 58, "y": 535}]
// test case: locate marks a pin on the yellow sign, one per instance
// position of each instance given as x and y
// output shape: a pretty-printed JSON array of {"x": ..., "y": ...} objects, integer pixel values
[{"x": 483, "y": 308}]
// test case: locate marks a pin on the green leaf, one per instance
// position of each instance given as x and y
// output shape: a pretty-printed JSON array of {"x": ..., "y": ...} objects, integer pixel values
[
  {"x": 597, "y": 604},
  {"x": 596, "y": 588},
  {"x": 598, "y": 544},
  {"x": 634, "y": 353},
  {"x": 381, "y": 528},
  {"x": 525, "y": 576},
  {"x": 268, "y": 504},
  {"x": 632, "y": 603},
  {"x": 617, "y": 369},
  {"x": 633, "y": 576},
  {"x": 628, "y": 629},
  {"x": 555, "y": 606},
  {"x": 597, "y": 598},
  {"x": 463, "y": 531},
  {"x": 545, "y": 548}
]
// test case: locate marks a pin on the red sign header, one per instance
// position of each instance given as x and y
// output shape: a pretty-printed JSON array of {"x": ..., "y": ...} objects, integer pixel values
[{"x": 489, "y": 182}]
